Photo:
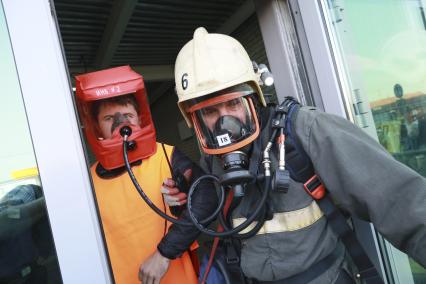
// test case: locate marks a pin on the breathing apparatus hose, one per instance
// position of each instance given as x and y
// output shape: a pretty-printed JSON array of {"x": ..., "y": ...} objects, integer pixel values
[
  {"x": 126, "y": 132},
  {"x": 240, "y": 227},
  {"x": 267, "y": 188},
  {"x": 195, "y": 222},
  {"x": 250, "y": 233},
  {"x": 158, "y": 210}
]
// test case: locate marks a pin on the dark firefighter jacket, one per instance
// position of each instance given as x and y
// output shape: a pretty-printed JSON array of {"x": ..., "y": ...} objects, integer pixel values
[
  {"x": 362, "y": 178},
  {"x": 179, "y": 238}
]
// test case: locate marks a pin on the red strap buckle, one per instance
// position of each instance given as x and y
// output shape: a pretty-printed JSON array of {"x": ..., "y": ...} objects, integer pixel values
[{"x": 315, "y": 188}]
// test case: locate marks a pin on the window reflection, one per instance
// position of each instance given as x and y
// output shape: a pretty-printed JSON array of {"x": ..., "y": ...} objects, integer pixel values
[
  {"x": 381, "y": 54},
  {"x": 27, "y": 253},
  {"x": 401, "y": 128}
]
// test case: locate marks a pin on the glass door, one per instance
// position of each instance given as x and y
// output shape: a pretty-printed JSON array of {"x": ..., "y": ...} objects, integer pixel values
[{"x": 379, "y": 50}]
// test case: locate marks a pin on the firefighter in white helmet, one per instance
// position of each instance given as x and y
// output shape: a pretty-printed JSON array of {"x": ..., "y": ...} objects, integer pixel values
[{"x": 325, "y": 155}]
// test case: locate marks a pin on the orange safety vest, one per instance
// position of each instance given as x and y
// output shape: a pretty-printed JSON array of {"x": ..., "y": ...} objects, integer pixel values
[{"x": 132, "y": 230}]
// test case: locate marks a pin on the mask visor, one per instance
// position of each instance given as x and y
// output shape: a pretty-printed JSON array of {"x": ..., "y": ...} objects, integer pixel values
[{"x": 225, "y": 123}]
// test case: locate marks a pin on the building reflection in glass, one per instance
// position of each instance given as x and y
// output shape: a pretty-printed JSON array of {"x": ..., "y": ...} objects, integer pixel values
[{"x": 401, "y": 128}]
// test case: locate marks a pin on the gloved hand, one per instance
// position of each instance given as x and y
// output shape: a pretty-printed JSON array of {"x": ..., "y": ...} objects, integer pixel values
[
  {"x": 172, "y": 195},
  {"x": 153, "y": 269}
]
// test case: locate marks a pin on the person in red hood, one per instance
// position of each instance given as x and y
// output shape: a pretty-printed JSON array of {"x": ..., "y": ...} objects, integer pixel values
[{"x": 141, "y": 245}]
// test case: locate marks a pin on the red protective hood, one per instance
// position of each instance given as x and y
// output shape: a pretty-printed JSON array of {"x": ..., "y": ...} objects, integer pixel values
[{"x": 109, "y": 83}]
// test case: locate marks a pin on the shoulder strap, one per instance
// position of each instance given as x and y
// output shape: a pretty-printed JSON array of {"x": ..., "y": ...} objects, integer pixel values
[
  {"x": 301, "y": 169},
  {"x": 366, "y": 269}
]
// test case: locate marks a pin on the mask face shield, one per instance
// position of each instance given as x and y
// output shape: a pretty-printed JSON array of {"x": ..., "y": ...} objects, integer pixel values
[{"x": 225, "y": 122}]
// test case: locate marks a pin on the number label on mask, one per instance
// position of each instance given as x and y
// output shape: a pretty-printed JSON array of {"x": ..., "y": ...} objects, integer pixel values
[{"x": 223, "y": 139}]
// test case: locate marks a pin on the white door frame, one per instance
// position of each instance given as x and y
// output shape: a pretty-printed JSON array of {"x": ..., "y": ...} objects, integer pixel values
[{"x": 46, "y": 91}]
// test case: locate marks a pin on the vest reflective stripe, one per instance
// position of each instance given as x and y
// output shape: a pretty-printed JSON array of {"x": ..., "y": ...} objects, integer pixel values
[{"x": 287, "y": 221}]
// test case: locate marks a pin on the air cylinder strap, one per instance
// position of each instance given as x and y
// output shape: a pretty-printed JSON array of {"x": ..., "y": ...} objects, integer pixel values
[
  {"x": 366, "y": 269},
  {"x": 312, "y": 272},
  {"x": 301, "y": 169}
]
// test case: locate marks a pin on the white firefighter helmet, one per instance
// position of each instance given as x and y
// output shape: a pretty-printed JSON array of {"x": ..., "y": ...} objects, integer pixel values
[{"x": 210, "y": 63}]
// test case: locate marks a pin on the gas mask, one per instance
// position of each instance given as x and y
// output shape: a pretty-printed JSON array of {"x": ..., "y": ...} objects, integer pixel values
[
  {"x": 120, "y": 89},
  {"x": 225, "y": 124}
]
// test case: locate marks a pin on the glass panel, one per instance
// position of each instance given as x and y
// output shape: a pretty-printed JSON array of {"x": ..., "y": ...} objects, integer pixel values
[
  {"x": 27, "y": 252},
  {"x": 380, "y": 51}
]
